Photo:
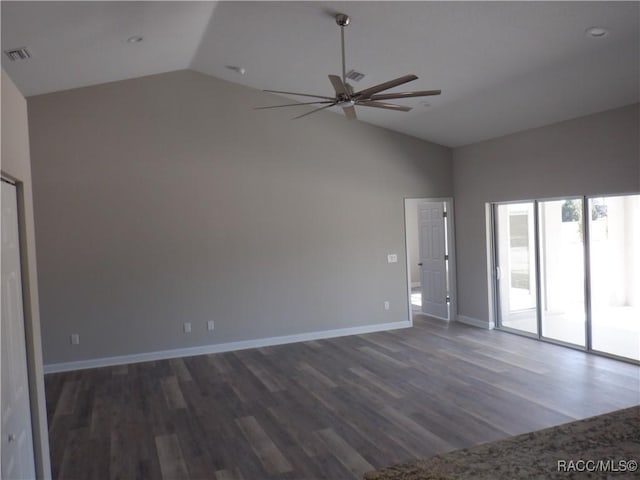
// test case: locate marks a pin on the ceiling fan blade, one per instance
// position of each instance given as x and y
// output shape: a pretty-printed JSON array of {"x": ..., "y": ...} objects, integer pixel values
[
  {"x": 384, "y": 86},
  {"x": 392, "y": 96},
  {"x": 314, "y": 111},
  {"x": 300, "y": 94},
  {"x": 338, "y": 85},
  {"x": 293, "y": 104},
  {"x": 350, "y": 112},
  {"x": 388, "y": 106}
]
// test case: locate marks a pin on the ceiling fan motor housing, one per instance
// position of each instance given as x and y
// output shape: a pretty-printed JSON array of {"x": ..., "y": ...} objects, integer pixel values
[{"x": 343, "y": 20}]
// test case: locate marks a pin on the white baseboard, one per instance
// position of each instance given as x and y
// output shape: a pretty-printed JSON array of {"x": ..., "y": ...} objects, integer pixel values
[
  {"x": 221, "y": 347},
  {"x": 474, "y": 322}
]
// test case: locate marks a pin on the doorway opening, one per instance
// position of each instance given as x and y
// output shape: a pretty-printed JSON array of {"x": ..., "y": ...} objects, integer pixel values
[{"x": 430, "y": 257}]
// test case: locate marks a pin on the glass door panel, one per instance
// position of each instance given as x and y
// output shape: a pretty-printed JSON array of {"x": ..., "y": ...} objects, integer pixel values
[
  {"x": 515, "y": 261},
  {"x": 614, "y": 251},
  {"x": 562, "y": 281}
]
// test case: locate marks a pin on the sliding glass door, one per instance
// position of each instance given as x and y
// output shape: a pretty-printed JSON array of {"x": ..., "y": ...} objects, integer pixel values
[
  {"x": 561, "y": 233},
  {"x": 568, "y": 270},
  {"x": 516, "y": 275},
  {"x": 614, "y": 253}
]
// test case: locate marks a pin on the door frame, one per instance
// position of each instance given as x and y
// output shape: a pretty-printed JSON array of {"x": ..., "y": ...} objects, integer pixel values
[
  {"x": 450, "y": 245},
  {"x": 35, "y": 372},
  {"x": 496, "y": 253}
]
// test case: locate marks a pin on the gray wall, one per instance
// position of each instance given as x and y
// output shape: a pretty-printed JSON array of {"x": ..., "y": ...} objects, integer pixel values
[
  {"x": 167, "y": 199},
  {"x": 595, "y": 154},
  {"x": 16, "y": 166}
]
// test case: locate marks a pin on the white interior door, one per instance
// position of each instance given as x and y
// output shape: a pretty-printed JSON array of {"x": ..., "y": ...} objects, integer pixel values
[
  {"x": 17, "y": 438},
  {"x": 433, "y": 265}
]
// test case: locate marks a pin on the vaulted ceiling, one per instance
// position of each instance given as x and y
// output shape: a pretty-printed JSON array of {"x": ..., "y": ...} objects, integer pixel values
[{"x": 502, "y": 66}]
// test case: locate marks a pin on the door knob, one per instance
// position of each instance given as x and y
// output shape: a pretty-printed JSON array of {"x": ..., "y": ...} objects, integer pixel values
[
  {"x": 420, "y": 264},
  {"x": 12, "y": 437}
]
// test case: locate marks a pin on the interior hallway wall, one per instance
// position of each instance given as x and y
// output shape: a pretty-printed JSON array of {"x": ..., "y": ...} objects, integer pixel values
[{"x": 413, "y": 239}]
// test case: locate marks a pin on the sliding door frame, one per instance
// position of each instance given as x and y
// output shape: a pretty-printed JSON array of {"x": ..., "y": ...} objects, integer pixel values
[
  {"x": 587, "y": 273},
  {"x": 497, "y": 277},
  {"x": 538, "y": 270},
  {"x": 495, "y": 287}
]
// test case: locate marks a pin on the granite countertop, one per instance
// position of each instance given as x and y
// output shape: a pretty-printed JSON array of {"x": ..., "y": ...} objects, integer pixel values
[{"x": 567, "y": 451}]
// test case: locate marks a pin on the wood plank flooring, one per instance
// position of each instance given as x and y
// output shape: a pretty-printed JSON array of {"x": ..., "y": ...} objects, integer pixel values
[{"x": 327, "y": 409}]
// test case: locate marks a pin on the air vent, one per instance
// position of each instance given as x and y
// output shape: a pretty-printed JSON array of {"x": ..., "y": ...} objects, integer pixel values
[
  {"x": 355, "y": 76},
  {"x": 18, "y": 54}
]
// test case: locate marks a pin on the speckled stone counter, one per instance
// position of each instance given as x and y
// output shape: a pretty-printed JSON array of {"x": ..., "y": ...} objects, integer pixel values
[{"x": 614, "y": 436}]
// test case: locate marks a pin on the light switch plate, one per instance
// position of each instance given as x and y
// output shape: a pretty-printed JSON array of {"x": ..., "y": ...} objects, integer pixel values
[{"x": 392, "y": 258}]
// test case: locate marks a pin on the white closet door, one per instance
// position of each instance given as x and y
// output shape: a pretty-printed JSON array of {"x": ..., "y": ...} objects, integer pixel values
[{"x": 17, "y": 438}]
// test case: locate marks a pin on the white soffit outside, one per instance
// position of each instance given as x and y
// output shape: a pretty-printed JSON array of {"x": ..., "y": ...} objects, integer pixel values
[{"x": 502, "y": 66}]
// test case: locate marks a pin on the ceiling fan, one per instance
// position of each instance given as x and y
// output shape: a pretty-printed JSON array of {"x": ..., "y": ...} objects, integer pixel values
[{"x": 347, "y": 98}]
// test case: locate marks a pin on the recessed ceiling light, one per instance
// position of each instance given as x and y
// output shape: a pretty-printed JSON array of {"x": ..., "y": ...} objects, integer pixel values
[
  {"x": 135, "y": 39},
  {"x": 597, "y": 32}
]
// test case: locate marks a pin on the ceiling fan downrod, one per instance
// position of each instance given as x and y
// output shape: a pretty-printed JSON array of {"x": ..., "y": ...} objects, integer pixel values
[{"x": 343, "y": 20}]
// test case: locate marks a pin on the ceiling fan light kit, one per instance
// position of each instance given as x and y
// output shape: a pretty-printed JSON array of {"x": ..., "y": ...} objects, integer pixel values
[{"x": 346, "y": 98}]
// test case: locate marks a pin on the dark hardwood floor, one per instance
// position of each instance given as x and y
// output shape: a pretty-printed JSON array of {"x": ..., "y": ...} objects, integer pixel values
[{"x": 324, "y": 409}]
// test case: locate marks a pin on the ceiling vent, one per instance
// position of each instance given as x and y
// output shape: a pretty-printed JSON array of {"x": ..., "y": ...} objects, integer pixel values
[
  {"x": 18, "y": 54},
  {"x": 355, "y": 76}
]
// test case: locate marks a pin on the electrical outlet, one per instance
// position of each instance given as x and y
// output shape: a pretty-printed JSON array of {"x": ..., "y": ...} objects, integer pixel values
[
  {"x": 392, "y": 258},
  {"x": 75, "y": 339},
  {"x": 187, "y": 327},
  {"x": 386, "y": 305},
  {"x": 210, "y": 325}
]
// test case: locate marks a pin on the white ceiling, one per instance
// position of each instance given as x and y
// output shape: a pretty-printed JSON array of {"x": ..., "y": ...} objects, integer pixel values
[{"x": 502, "y": 66}]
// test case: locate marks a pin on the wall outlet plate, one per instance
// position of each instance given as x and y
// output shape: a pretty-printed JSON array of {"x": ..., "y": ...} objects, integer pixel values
[
  {"x": 187, "y": 327},
  {"x": 210, "y": 325},
  {"x": 75, "y": 339},
  {"x": 386, "y": 305},
  {"x": 392, "y": 258}
]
